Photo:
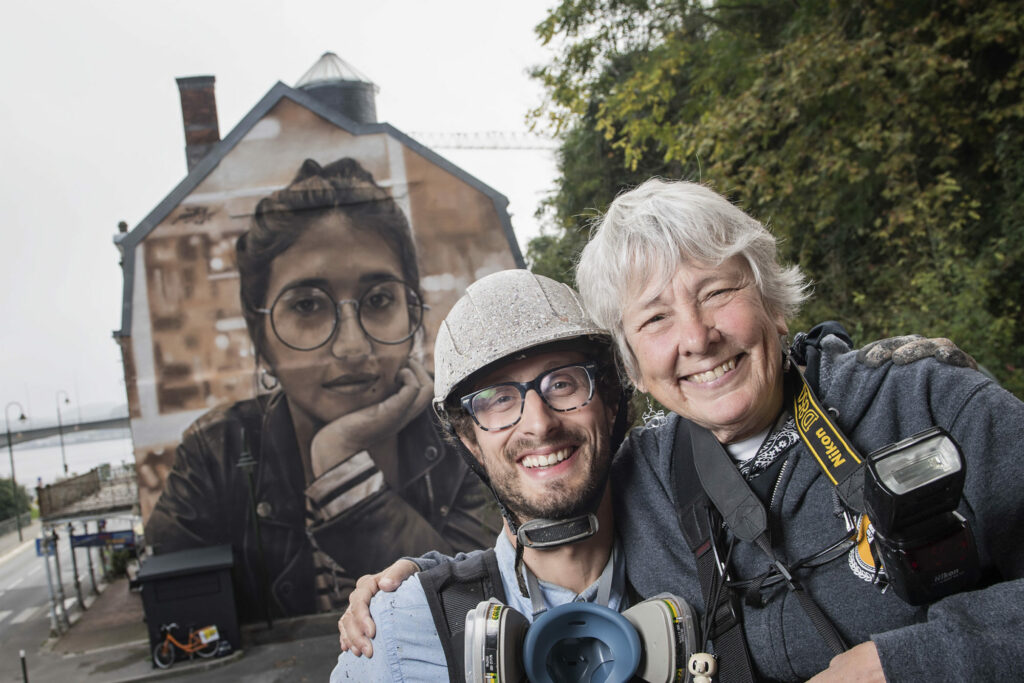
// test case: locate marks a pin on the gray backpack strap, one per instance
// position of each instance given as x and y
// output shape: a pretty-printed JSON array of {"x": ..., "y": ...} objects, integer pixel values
[{"x": 453, "y": 589}]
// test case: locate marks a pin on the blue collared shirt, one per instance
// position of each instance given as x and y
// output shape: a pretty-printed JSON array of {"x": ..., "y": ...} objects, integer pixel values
[{"x": 407, "y": 647}]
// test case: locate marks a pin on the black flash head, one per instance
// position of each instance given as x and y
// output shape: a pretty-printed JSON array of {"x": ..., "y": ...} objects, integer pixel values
[{"x": 913, "y": 480}]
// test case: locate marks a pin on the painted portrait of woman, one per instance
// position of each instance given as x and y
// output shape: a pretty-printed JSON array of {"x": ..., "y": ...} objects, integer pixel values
[{"x": 348, "y": 471}]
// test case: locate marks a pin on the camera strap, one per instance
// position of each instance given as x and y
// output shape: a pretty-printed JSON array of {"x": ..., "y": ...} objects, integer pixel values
[
  {"x": 837, "y": 457},
  {"x": 746, "y": 517},
  {"x": 700, "y": 522}
]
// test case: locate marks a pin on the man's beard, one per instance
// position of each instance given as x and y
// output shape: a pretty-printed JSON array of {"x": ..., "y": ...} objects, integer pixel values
[{"x": 560, "y": 500}]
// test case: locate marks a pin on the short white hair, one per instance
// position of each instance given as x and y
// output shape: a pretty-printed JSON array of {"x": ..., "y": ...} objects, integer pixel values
[{"x": 650, "y": 230}]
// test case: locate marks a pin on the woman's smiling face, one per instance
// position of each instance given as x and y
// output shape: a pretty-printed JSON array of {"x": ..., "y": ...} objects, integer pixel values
[
  {"x": 350, "y": 371},
  {"x": 707, "y": 348}
]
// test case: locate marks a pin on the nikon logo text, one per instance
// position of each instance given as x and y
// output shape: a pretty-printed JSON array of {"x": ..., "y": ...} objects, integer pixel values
[{"x": 831, "y": 450}]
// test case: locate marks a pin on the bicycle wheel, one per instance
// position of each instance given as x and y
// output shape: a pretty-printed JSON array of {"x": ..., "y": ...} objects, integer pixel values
[
  {"x": 163, "y": 655},
  {"x": 208, "y": 650}
]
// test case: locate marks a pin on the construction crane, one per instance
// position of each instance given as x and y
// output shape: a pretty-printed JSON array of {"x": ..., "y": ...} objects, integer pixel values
[{"x": 487, "y": 139}]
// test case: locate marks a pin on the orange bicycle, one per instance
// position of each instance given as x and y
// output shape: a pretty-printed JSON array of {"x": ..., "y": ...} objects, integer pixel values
[{"x": 203, "y": 642}]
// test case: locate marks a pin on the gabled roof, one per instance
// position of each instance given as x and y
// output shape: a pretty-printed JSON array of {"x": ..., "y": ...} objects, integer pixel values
[{"x": 129, "y": 241}]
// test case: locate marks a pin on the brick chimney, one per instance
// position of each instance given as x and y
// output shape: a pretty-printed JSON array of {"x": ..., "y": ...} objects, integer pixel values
[{"x": 199, "y": 114}]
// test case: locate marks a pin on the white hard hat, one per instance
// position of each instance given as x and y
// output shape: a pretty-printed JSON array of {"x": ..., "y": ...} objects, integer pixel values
[{"x": 502, "y": 314}]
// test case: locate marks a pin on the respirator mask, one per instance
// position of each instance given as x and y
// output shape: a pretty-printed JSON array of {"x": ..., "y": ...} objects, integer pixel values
[
  {"x": 911, "y": 491},
  {"x": 581, "y": 642}
]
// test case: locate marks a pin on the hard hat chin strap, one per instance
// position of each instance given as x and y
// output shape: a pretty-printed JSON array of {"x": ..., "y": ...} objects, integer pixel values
[
  {"x": 551, "y": 533},
  {"x": 541, "y": 534}
]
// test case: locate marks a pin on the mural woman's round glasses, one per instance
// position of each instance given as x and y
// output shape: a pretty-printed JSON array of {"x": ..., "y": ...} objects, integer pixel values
[{"x": 305, "y": 317}]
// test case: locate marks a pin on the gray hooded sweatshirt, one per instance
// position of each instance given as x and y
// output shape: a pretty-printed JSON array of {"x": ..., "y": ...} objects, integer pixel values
[{"x": 974, "y": 635}]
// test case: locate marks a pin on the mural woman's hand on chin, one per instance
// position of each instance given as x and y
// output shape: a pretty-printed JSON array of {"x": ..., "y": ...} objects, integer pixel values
[{"x": 339, "y": 440}]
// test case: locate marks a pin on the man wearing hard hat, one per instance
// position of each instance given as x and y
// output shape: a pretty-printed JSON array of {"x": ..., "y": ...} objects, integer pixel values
[{"x": 527, "y": 385}]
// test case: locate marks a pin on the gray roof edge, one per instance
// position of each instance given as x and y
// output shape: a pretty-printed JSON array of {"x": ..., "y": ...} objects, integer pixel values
[
  {"x": 510, "y": 235},
  {"x": 203, "y": 168},
  {"x": 128, "y": 273},
  {"x": 130, "y": 240},
  {"x": 500, "y": 200}
]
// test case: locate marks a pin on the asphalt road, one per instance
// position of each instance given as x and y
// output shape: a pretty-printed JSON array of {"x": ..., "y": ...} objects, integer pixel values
[
  {"x": 297, "y": 651},
  {"x": 25, "y": 599}
]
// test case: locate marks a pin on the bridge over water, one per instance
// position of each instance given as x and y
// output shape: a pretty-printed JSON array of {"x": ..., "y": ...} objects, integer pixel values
[{"x": 25, "y": 435}]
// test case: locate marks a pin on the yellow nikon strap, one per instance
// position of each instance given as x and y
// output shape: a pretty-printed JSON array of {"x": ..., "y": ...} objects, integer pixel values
[{"x": 829, "y": 446}]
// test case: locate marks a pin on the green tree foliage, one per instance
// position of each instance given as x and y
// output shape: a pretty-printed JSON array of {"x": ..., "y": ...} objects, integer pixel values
[
  {"x": 880, "y": 139},
  {"x": 9, "y": 502},
  {"x": 591, "y": 172}
]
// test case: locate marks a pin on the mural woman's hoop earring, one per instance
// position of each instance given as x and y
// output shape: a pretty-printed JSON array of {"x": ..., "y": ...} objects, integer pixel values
[{"x": 267, "y": 381}]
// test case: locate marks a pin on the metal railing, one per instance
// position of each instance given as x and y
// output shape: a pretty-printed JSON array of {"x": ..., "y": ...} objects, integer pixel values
[{"x": 11, "y": 524}]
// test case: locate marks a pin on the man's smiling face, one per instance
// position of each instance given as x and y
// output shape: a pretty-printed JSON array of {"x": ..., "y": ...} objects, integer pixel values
[{"x": 549, "y": 464}]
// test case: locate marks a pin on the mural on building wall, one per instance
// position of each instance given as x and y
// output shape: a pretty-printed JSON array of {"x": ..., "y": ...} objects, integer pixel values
[{"x": 279, "y": 330}]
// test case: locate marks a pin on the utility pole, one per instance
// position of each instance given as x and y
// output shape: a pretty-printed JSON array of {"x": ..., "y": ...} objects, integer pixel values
[
  {"x": 10, "y": 450},
  {"x": 88, "y": 554},
  {"x": 60, "y": 429},
  {"x": 74, "y": 566},
  {"x": 60, "y": 581},
  {"x": 54, "y": 624}
]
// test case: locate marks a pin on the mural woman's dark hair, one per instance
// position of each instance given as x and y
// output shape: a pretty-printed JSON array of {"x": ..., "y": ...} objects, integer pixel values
[{"x": 282, "y": 217}]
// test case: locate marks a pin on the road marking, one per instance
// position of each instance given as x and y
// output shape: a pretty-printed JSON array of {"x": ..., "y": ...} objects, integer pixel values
[
  {"x": 4, "y": 614},
  {"x": 9, "y": 587},
  {"x": 25, "y": 615},
  {"x": 38, "y": 568}
]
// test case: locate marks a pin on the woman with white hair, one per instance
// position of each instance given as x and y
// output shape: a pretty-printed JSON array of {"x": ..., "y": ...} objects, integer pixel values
[{"x": 697, "y": 301}]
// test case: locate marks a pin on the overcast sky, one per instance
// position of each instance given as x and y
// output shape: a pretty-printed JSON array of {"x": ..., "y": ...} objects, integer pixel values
[{"x": 92, "y": 135}]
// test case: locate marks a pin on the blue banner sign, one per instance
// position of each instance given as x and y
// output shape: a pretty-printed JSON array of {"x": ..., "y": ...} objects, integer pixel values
[
  {"x": 39, "y": 547},
  {"x": 115, "y": 540}
]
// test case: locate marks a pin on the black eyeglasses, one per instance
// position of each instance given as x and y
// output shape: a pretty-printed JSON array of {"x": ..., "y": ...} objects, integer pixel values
[
  {"x": 305, "y": 317},
  {"x": 564, "y": 388}
]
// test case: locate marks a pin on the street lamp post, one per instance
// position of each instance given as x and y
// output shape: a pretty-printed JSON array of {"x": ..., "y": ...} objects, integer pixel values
[
  {"x": 60, "y": 429},
  {"x": 10, "y": 451}
]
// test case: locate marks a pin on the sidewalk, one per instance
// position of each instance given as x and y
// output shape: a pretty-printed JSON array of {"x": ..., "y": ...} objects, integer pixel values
[
  {"x": 9, "y": 542},
  {"x": 109, "y": 642}
]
